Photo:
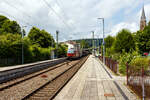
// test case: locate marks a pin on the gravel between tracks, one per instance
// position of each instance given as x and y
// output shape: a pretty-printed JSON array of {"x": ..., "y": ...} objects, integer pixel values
[
  {"x": 48, "y": 91},
  {"x": 18, "y": 80},
  {"x": 19, "y": 91}
]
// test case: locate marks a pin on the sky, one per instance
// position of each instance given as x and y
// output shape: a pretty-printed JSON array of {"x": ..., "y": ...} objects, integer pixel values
[{"x": 75, "y": 19}]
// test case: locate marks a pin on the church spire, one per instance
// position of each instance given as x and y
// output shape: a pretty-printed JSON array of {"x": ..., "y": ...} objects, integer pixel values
[
  {"x": 143, "y": 20},
  {"x": 143, "y": 17}
]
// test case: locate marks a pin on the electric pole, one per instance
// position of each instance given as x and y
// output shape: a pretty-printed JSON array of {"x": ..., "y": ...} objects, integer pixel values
[
  {"x": 57, "y": 32},
  {"x": 93, "y": 42},
  {"x": 103, "y": 41},
  {"x": 23, "y": 34}
]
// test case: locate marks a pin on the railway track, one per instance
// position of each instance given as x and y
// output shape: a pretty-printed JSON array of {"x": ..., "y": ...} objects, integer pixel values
[
  {"x": 37, "y": 85},
  {"x": 7, "y": 74},
  {"x": 16, "y": 81},
  {"x": 51, "y": 88}
]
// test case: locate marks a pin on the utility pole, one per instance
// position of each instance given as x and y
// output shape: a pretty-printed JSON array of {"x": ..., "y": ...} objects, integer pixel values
[
  {"x": 93, "y": 42},
  {"x": 103, "y": 41},
  {"x": 57, "y": 32},
  {"x": 23, "y": 34}
]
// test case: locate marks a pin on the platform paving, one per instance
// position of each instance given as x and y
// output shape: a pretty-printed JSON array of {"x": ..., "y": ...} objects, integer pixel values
[{"x": 94, "y": 81}]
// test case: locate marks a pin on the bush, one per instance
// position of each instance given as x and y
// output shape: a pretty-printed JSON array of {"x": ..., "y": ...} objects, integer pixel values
[
  {"x": 139, "y": 62},
  {"x": 39, "y": 53},
  {"x": 62, "y": 50},
  {"x": 126, "y": 58}
]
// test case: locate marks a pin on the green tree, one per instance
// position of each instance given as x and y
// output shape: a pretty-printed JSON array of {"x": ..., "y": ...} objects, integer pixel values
[
  {"x": 62, "y": 50},
  {"x": 124, "y": 41},
  {"x": 2, "y": 20},
  {"x": 10, "y": 27},
  {"x": 10, "y": 45},
  {"x": 109, "y": 40},
  {"x": 143, "y": 39},
  {"x": 84, "y": 44},
  {"x": 41, "y": 37}
]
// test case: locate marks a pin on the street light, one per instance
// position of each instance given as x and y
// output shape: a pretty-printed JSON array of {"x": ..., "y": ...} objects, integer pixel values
[
  {"x": 93, "y": 43},
  {"x": 57, "y": 32},
  {"x": 103, "y": 41},
  {"x": 23, "y": 34}
]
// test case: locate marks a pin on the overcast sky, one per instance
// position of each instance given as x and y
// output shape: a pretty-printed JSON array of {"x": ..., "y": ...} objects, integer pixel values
[{"x": 75, "y": 19}]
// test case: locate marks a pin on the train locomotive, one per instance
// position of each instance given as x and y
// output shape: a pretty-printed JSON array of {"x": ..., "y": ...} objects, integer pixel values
[{"x": 74, "y": 51}]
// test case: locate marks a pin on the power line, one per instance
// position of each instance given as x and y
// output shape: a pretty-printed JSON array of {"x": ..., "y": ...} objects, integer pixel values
[
  {"x": 15, "y": 18},
  {"x": 17, "y": 8},
  {"x": 56, "y": 13},
  {"x": 58, "y": 4}
]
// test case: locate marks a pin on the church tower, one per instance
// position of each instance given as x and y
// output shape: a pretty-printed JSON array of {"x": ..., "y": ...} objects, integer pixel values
[{"x": 143, "y": 20}]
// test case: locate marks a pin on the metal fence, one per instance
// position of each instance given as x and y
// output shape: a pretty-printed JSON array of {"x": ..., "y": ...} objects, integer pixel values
[
  {"x": 139, "y": 81},
  {"x": 9, "y": 61},
  {"x": 111, "y": 64}
]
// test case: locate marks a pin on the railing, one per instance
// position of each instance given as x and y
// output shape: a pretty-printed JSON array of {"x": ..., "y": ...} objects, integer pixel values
[
  {"x": 139, "y": 81},
  {"x": 111, "y": 64}
]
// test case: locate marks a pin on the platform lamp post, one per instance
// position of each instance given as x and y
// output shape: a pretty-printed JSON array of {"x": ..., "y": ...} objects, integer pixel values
[
  {"x": 23, "y": 34},
  {"x": 57, "y": 32},
  {"x": 93, "y": 42},
  {"x": 103, "y": 41}
]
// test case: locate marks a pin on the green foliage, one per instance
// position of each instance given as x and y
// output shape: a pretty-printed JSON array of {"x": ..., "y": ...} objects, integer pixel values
[
  {"x": 124, "y": 41},
  {"x": 139, "y": 62},
  {"x": 143, "y": 40},
  {"x": 109, "y": 40},
  {"x": 7, "y": 26},
  {"x": 126, "y": 58},
  {"x": 37, "y": 45},
  {"x": 40, "y": 53},
  {"x": 2, "y": 20},
  {"x": 62, "y": 50},
  {"x": 84, "y": 44},
  {"x": 41, "y": 37},
  {"x": 10, "y": 45}
]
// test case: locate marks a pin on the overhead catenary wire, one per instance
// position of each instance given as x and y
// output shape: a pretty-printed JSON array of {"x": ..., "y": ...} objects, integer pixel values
[
  {"x": 15, "y": 18},
  {"x": 23, "y": 12},
  {"x": 61, "y": 8},
  {"x": 20, "y": 11},
  {"x": 57, "y": 14}
]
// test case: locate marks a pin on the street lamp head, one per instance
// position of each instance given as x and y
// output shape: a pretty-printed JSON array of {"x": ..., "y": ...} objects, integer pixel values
[
  {"x": 57, "y": 31},
  {"x": 24, "y": 26},
  {"x": 101, "y": 18}
]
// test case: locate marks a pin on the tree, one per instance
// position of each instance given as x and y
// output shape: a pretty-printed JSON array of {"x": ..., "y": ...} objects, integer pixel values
[
  {"x": 124, "y": 41},
  {"x": 10, "y": 45},
  {"x": 84, "y": 44},
  {"x": 41, "y": 37},
  {"x": 62, "y": 50},
  {"x": 7, "y": 26},
  {"x": 2, "y": 20},
  {"x": 109, "y": 40},
  {"x": 143, "y": 39}
]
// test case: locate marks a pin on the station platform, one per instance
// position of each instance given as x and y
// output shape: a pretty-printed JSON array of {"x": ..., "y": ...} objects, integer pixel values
[
  {"x": 94, "y": 81},
  {"x": 3, "y": 69}
]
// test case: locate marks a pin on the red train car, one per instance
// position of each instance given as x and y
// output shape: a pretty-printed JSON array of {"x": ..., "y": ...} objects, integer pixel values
[{"x": 74, "y": 50}]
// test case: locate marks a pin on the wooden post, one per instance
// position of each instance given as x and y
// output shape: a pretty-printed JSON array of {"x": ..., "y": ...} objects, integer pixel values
[
  {"x": 127, "y": 68},
  {"x": 143, "y": 89}
]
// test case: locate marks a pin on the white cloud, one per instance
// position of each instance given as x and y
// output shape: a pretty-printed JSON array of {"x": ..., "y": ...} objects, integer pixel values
[
  {"x": 133, "y": 27},
  {"x": 79, "y": 15}
]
